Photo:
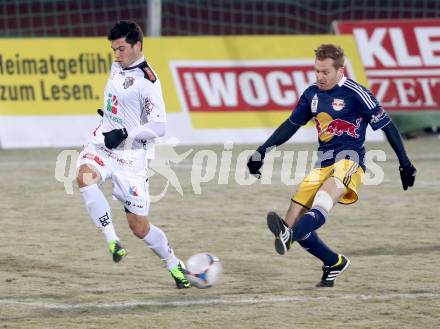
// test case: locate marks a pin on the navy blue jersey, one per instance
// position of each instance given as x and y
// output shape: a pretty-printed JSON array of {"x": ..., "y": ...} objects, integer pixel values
[{"x": 341, "y": 116}]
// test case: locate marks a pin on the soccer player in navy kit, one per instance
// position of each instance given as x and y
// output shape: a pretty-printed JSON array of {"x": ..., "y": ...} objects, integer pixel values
[{"x": 341, "y": 109}]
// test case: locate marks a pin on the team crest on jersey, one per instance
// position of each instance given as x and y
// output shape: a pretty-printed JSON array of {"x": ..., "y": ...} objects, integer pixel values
[
  {"x": 128, "y": 82},
  {"x": 338, "y": 104},
  {"x": 314, "y": 105}
]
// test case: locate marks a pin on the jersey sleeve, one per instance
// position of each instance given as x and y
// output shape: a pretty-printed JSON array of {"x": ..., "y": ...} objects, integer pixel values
[
  {"x": 152, "y": 102},
  {"x": 302, "y": 112},
  {"x": 370, "y": 108}
]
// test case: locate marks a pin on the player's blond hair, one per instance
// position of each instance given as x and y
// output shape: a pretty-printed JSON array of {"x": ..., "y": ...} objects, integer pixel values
[{"x": 334, "y": 52}]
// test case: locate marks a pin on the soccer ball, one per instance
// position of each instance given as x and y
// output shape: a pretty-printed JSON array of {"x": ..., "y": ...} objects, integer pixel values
[{"x": 203, "y": 270}]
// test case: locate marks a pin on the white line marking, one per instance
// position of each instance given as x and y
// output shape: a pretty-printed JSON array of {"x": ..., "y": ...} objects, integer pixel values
[{"x": 219, "y": 301}]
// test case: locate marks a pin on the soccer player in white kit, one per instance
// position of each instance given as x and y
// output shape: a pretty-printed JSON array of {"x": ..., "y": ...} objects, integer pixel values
[{"x": 133, "y": 118}]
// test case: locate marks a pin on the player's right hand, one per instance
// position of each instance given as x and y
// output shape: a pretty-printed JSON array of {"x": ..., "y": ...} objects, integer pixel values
[
  {"x": 114, "y": 137},
  {"x": 407, "y": 175},
  {"x": 254, "y": 164}
]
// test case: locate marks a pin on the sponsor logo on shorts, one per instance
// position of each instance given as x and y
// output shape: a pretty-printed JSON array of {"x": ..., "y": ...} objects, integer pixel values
[
  {"x": 133, "y": 191},
  {"x": 124, "y": 162},
  {"x": 134, "y": 204},
  {"x": 119, "y": 159},
  {"x": 95, "y": 158}
]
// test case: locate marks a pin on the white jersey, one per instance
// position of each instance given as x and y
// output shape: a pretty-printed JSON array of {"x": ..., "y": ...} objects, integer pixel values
[{"x": 132, "y": 98}]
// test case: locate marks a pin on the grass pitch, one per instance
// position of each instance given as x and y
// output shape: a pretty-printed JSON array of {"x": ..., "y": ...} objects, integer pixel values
[{"x": 56, "y": 272}]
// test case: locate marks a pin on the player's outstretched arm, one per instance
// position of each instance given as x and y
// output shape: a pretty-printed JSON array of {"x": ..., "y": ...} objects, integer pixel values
[
  {"x": 149, "y": 130},
  {"x": 146, "y": 132},
  {"x": 281, "y": 135},
  {"x": 407, "y": 170}
]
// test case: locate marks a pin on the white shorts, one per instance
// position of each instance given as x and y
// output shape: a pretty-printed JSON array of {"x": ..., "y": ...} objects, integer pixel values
[{"x": 128, "y": 172}]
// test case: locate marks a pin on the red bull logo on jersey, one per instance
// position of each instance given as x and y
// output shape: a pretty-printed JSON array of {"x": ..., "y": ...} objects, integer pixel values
[
  {"x": 338, "y": 127},
  {"x": 328, "y": 127},
  {"x": 338, "y": 104}
]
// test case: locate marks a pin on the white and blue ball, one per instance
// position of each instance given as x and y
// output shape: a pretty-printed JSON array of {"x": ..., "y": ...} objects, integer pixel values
[{"x": 203, "y": 270}]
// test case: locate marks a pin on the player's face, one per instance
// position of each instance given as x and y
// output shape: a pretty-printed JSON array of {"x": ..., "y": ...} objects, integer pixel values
[
  {"x": 126, "y": 54},
  {"x": 327, "y": 76}
]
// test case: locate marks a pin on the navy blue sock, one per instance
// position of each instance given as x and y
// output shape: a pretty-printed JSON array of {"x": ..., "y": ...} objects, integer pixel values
[
  {"x": 310, "y": 221},
  {"x": 314, "y": 245}
]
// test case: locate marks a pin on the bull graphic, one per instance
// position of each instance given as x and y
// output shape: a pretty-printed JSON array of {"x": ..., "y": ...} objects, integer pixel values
[{"x": 338, "y": 127}]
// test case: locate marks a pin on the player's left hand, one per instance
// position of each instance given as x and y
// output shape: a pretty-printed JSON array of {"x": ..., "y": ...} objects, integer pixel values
[
  {"x": 114, "y": 137},
  {"x": 254, "y": 164},
  {"x": 407, "y": 175}
]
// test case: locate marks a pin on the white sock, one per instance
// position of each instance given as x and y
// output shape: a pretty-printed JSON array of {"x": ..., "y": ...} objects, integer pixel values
[
  {"x": 99, "y": 210},
  {"x": 158, "y": 242}
]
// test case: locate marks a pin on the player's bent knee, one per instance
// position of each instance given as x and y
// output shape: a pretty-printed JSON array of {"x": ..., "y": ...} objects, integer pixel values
[
  {"x": 323, "y": 200},
  {"x": 87, "y": 176}
]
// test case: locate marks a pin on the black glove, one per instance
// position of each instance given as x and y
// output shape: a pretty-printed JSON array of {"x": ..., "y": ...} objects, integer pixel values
[
  {"x": 114, "y": 137},
  {"x": 100, "y": 112},
  {"x": 408, "y": 176},
  {"x": 254, "y": 164}
]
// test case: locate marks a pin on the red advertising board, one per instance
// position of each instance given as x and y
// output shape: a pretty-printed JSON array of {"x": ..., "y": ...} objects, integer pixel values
[
  {"x": 237, "y": 86},
  {"x": 401, "y": 60}
]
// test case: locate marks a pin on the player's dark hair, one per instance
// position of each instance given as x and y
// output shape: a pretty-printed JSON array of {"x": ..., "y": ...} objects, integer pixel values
[
  {"x": 334, "y": 52},
  {"x": 128, "y": 30}
]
